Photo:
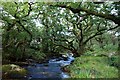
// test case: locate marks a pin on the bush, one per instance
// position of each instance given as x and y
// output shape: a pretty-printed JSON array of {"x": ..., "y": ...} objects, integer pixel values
[
  {"x": 114, "y": 61},
  {"x": 39, "y": 55},
  {"x": 97, "y": 51},
  {"x": 110, "y": 47}
]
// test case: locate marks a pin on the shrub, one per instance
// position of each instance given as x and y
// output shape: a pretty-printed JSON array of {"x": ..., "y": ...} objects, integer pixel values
[
  {"x": 114, "y": 61},
  {"x": 39, "y": 55}
]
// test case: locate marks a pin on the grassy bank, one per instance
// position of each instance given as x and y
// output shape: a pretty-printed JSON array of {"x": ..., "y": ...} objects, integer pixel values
[{"x": 92, "y": 67}]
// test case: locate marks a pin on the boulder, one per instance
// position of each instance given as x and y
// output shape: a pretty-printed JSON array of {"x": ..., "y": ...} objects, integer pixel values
[{"x": 11, "y": 71}]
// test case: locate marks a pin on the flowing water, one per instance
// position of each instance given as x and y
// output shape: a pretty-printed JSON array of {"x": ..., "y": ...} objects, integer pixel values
[{"x": 51, "y": 69}]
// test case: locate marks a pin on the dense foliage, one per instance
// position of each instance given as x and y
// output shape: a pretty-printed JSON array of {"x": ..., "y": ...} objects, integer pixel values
[
  {"x": 38, "y": 30},
  {"x": 44, "y": 28}
]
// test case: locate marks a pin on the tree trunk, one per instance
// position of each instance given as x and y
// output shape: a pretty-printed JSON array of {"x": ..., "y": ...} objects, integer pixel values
[
  {"x": 75, "y": 53},
  {"x": 80, "y": 51}
]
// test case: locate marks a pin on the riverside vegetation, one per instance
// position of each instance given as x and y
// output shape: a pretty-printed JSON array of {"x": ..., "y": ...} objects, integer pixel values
[{"x": 42, "y": 30}]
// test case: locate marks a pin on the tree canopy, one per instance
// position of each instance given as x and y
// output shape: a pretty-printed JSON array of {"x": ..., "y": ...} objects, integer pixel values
[{"x": 33, "y": 29}]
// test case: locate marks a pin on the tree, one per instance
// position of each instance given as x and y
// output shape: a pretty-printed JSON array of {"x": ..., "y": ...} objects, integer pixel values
[
  {"x": 54, "y": 27},
  {"x": 104, "y": 12},
  {"x": 19, "y": 30},
  {"x": 78, "y": 8}
]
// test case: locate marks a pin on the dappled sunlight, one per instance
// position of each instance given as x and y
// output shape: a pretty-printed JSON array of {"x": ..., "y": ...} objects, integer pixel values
[{"x": 59, "y": 39}]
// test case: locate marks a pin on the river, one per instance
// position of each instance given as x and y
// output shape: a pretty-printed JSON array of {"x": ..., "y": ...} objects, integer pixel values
[{"x": 50, "y": 69}]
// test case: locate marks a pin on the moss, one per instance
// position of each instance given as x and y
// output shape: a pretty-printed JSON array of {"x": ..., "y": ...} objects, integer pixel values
[
  {"x": 92, "y": 67},
  {"x": 13, "y": 71}
]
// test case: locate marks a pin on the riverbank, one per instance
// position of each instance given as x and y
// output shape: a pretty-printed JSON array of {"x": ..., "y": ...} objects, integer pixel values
[
  {"x": 11, "y": 71},
  {"x": 52, "y": 68},
  {"x": 94, "y": 67}
]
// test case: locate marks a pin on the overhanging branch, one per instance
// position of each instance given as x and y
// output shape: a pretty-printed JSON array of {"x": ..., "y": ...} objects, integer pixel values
[
  {"x": 63, "y": 46},
  {"x": 29, "y": 10},
  {"x": 114, "y": 18},
  {"x": 99, "y": 33},
  {"x": 19, "y": 22}
]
